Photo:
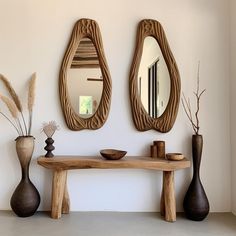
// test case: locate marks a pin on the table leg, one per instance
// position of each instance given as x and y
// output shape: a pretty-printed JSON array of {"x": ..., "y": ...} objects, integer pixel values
[
  {"x": 162, "y": 204},
  {"x": 169, "y": 196},
  {"x": 66, "y": 200},
  {"x": 58, "y": 188}
]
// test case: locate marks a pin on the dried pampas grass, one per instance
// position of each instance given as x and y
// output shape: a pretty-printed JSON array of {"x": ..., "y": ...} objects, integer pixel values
[
  {"x": 15, "y": 107},
  {"x": 11, "y": 106},
  {"x": 31, "y": 97},
  {"x": 13, "y": 110},
  {"x": 11, "y": 92},
  {"x": 31, "y": 94}
]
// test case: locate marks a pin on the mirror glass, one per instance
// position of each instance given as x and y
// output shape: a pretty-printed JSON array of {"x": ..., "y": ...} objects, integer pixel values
[
  {"x": 153, "y": 79},
  {"x": 84, "y": 80}
]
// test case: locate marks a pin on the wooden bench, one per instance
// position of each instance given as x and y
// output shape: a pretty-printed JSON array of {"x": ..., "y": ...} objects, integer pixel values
[{"x": 61, "y": 164}]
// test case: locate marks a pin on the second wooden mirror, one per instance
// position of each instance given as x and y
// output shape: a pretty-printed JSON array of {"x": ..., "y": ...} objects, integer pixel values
[
  {"x": 154, "y": 80},
  {"x": 85, "y": 84}
]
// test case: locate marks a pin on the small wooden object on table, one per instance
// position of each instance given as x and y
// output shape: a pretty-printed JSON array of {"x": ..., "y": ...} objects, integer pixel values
[
  {"x": 112, "y": 154},
  {"x": 61, "y": 164},
  {"x": 175, "y": 156},
  {"x": 158, "y": 149}
]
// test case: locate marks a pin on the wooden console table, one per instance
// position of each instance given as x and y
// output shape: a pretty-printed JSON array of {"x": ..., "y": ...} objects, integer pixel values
[{"x": 61, "y": 164}]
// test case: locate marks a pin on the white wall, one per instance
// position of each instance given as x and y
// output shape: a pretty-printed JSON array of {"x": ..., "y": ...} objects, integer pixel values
[
  {"x": 34, "y": 36},
  {"x": 233, "y": 100}
]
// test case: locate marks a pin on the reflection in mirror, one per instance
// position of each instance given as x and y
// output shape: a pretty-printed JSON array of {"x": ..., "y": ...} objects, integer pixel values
[
  {"x": 153, "y": 79},
  {"x": 85, "y": 83}
]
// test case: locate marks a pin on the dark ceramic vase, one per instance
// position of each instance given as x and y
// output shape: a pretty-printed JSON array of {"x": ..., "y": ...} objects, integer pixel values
[
  {"x": 196, "y": 205},
  {"x": 25, "y": 199}
]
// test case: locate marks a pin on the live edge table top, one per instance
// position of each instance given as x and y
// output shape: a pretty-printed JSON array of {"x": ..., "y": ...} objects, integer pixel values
[{"x": 65, "y": 162}]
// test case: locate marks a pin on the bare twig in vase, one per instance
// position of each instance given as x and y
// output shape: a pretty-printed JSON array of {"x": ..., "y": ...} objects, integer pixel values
[{"x": 187, "y": 106}]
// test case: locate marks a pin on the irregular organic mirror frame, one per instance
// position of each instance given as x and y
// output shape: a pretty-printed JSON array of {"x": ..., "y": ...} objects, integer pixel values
[
  {"x": 141, "y": 118},
  {"x": 85, "y": 28}
]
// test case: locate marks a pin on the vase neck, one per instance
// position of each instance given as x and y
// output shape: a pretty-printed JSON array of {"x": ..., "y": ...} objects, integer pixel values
[
  {"x": 25, "y": 172},
  {"x": 197, "y": 143},
  {"x": 24, "y": 149}
]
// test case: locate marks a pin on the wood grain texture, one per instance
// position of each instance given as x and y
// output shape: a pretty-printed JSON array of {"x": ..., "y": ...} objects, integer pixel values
[
  {"x": 162, "y": 202},
  {"x": 83, "y": 162},
  {"x": 66, "y": 200},
  {"x": 85, "y": 28},
  {"x": 169, "y": 196},
  {"x": 58, "y": 188},
  {"x": 141, "y": 118}
]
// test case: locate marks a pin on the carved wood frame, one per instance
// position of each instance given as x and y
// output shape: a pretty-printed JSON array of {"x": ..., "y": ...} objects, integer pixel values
[
  {"x": 142, "y": 120},
  {"x": 90, "y": 29}
]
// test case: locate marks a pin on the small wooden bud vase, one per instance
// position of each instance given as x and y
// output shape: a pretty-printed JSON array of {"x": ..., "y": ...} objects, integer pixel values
[
  {"x": 153, "y": 150},
  {"x": 160, "y": 146}
]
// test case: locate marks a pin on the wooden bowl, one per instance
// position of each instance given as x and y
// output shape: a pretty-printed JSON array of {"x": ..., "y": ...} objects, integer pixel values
[
  {"x": 175, "y": 156},
  {"x": 112, "y": 154}
]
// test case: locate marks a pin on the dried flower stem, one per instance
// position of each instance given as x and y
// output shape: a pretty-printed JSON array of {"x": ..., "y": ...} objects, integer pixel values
[
  {"x": 22, "y": 116},
  {"x": 20, "y": 127},
  {"x": 17, "y": 130},
  {"x": 187, "y": 106}
]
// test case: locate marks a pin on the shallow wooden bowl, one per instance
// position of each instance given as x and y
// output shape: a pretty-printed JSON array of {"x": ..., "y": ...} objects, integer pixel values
[
  {"x": 175, "y": 156},
  {"x": 112, "y": 154}
]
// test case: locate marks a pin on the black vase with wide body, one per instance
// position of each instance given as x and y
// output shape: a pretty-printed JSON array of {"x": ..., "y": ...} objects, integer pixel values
[
  {"x": 25, "y": 199},
  {"x": 196, "y": 205}
]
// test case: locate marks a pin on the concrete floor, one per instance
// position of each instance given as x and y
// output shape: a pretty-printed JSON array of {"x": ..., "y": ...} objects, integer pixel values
[{"x": 114, "y": 224}]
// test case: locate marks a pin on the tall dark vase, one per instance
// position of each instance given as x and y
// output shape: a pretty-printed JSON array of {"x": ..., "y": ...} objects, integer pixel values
[
  {"x": 196, "y": 205},
  {"x": 25, "y": 199}
]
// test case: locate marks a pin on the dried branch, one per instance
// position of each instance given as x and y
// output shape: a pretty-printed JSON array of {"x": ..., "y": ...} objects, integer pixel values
[
  {"x": 188, "y": 114},
  {"x": 187, "y": 106}
]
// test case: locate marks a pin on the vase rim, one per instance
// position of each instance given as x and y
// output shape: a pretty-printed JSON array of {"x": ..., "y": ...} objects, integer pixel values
[{"x": 24, "y": 136}]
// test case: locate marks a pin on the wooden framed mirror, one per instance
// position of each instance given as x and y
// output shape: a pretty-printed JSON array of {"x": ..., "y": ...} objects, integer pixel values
[
  {"x": 84, "y": 80},
  {"x": 154, "y": 80}
]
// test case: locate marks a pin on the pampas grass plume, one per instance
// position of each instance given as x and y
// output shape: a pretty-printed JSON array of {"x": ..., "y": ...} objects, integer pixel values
[
  {"x": 11, "y": 92},
  {"x": 11, "y": 106},
  {"x": 31, "y": 94},
  {"x": 15, "y": 107}
]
